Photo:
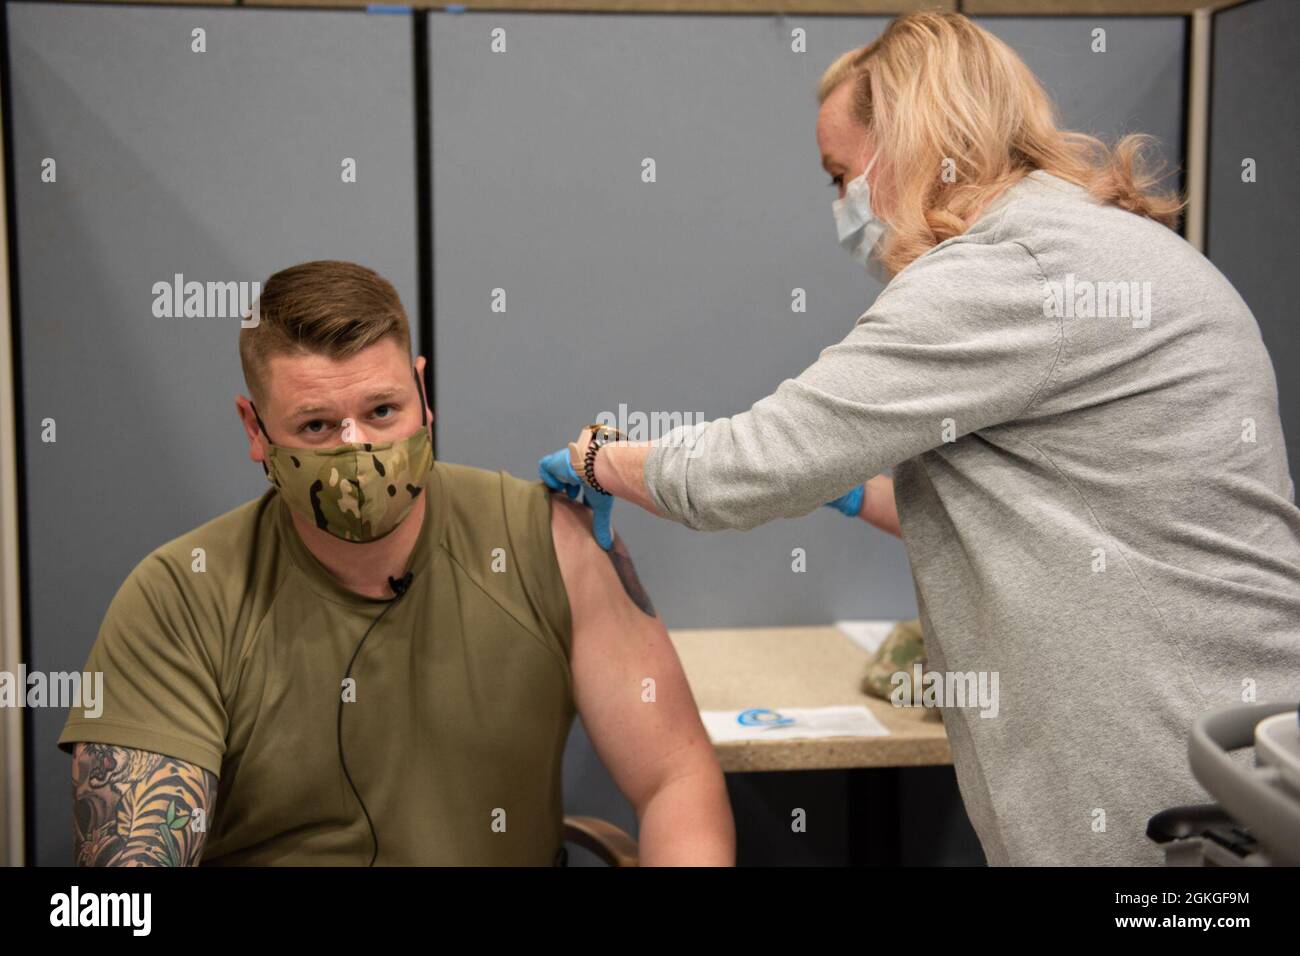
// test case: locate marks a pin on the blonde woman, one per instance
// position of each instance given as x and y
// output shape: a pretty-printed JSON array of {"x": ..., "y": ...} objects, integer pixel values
[{"x": 1089, "y": 472}]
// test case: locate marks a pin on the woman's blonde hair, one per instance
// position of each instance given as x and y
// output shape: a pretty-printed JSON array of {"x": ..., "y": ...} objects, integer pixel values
[{"x": 958, "y": 117}]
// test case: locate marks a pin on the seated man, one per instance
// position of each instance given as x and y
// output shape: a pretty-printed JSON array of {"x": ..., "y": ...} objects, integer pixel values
[{"x": 379, "y": 659}]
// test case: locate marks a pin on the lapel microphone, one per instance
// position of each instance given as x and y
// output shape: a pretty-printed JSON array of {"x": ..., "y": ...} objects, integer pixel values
[{"x": 399, "y": 585}]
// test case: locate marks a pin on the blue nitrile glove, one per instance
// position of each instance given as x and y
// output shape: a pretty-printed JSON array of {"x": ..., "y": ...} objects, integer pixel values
[
  {"x": 849, "y": 503},
  {"x": 556, "y": 470}
]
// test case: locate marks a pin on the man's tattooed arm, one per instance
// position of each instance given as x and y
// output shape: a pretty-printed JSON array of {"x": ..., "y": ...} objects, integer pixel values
[
  {"x": 137, "y": 808},
  {"x": 622, "y": 561}
]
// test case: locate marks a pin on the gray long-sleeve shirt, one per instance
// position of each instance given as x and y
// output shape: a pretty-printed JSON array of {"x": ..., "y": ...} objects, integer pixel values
[{"x": 1093, "y": 490}]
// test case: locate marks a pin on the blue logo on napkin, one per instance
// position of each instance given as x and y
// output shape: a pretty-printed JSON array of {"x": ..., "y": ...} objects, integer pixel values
[{"x": 762, "y": 717}]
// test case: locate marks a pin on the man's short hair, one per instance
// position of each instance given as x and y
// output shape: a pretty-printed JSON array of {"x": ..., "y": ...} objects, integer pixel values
[{"x": 325, "y": 307}]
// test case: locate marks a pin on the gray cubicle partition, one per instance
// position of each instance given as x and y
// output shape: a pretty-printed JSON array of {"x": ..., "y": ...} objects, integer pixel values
[
  {"x": 220, "y": 166},
  {"x": 1251, "y": 227}
]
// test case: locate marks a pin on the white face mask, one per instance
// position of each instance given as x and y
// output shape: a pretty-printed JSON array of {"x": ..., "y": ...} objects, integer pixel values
[{"x": 859, "y": 230}]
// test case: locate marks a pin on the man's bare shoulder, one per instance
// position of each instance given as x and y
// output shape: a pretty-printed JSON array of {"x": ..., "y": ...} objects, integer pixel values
[{"x": 591, "y": 574}]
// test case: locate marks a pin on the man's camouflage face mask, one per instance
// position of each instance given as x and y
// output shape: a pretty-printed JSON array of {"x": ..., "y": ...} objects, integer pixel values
[{"x": 359, "y": 491}]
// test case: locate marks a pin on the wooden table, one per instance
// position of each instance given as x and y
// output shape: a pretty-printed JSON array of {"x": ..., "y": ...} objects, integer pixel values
[{"x": 738, "y": 668}]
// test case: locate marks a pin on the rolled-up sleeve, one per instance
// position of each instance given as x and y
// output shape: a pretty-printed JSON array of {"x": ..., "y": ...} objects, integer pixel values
[{"x": 959, "y": 341}]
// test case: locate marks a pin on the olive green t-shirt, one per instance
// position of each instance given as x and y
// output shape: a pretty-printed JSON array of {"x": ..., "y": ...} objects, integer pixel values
[{"x": 227, "y": 648}]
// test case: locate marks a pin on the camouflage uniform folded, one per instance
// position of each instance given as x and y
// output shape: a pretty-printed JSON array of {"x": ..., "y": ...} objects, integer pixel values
[{"x": 902, "y": 648}]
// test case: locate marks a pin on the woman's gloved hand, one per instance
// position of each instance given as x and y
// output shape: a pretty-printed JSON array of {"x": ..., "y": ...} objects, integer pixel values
[
  {"x": 557, "y": 472},
  {"x": 849, "y": 503}
]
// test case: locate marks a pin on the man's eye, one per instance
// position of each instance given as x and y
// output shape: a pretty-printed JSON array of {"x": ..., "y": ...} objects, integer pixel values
[
  {"x": 389, "y": 407},
  {"x": 310, "y": 429}
]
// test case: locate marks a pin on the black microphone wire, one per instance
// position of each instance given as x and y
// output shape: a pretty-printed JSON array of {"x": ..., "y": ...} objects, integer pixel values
[{"x": 399, "y": 587}]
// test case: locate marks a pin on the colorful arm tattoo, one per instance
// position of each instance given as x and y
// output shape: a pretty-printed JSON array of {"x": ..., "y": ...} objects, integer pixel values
[{"x": 136, "y": 808}]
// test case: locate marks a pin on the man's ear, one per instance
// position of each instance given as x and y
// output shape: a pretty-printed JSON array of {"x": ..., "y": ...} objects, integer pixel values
[
  {"x": 244, "y": 408},
  {"x": 419, "y": 373}
]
